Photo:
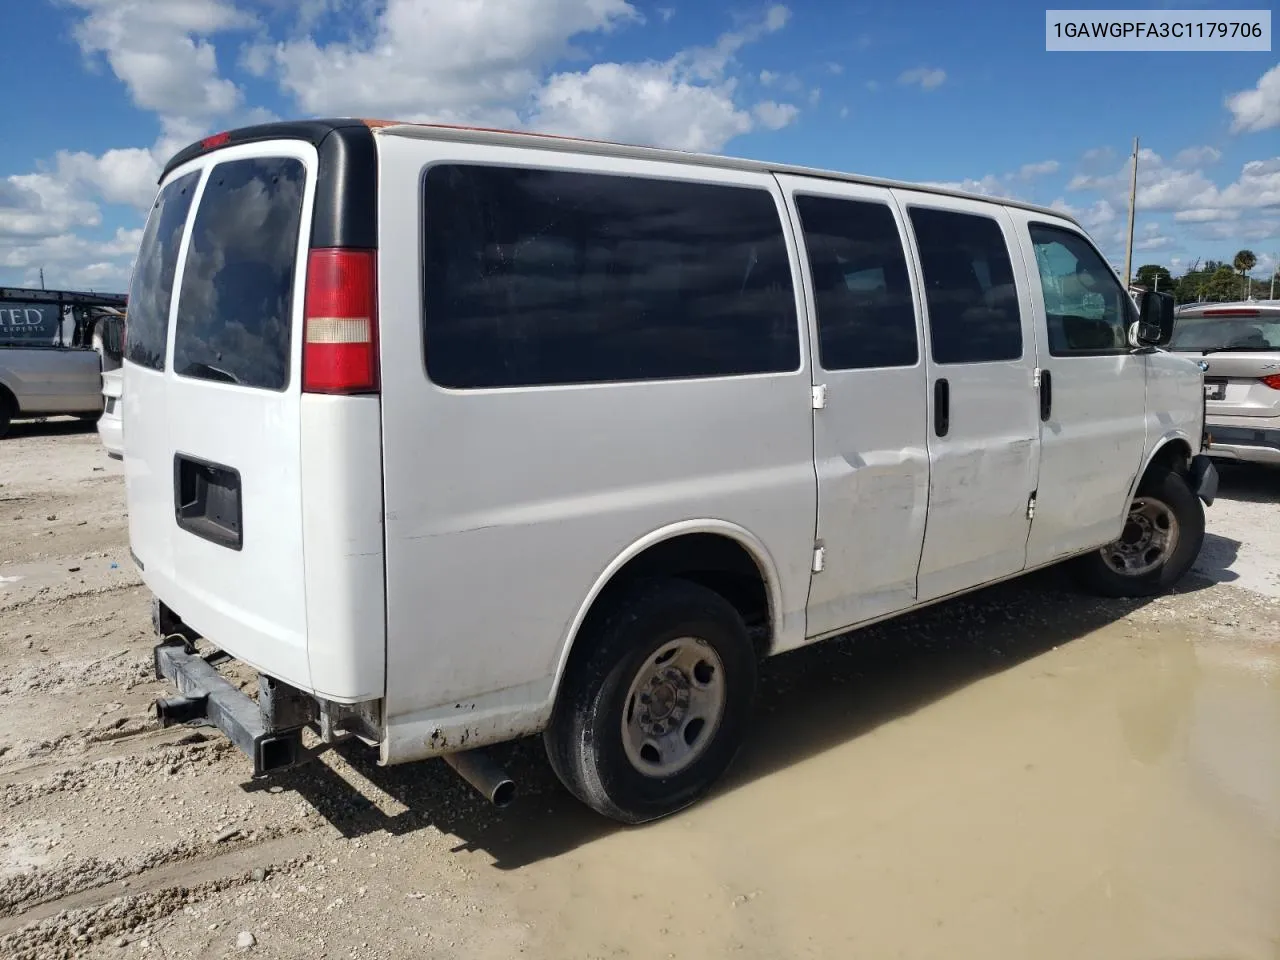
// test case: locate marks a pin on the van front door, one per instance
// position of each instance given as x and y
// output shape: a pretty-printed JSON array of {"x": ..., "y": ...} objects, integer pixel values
[
  {"x": 870, "y": 447},
  {"x": 984, "y": 430},
  {"x": 1093, "y": 391}
]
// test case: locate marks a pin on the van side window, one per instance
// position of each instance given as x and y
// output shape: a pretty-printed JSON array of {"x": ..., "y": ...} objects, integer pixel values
[
  {"x": 866, "y": 317},
  {"x": 1087, "y": 311},
  {"x": 537, "y": 277},
  {"x": 236, "y": 306},
  {"x": 969, "y": 287},
  {"x": 151, "y": 289}
]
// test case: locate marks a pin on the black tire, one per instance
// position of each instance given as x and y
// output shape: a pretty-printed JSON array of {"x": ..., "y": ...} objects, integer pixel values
[
  {"x": 584, "y": 741},
  {"x": 1172, "y": 491},
  {"x": 7, "y": 411}
]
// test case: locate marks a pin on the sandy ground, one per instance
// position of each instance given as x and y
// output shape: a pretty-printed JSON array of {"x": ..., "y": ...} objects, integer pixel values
[{"x": 1023, "y": 773}]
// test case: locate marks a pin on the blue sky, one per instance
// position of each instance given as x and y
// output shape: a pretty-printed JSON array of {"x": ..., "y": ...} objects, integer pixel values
[{"x": 100, "y": 92}]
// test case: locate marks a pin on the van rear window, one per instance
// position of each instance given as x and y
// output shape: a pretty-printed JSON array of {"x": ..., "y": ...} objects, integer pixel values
[
  {"x": 151, "y": 289},
  {"x": 537, "y": 277},
  {"x": 235, "y": 309}
]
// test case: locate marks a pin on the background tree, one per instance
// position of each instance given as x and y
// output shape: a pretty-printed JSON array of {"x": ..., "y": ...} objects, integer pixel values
[
  {"x": 1222, "y": 285},
  {"x": 1244, "y": 261},
  {"x": 1148, "y": 273},
  {"x": 1190, "y": 283}
]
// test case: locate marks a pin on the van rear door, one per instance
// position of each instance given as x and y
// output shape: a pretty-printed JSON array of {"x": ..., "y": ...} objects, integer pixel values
[{"x": 212, "y": 400}]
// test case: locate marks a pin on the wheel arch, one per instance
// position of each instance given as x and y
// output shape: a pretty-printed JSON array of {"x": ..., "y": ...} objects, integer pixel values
[
  {"x": 693, "y": 549},
  {"x": 1172, "y": 452}
]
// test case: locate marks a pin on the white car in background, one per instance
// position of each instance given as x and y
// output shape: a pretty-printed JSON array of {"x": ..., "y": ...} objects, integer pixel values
[
  {"x": 1238, "y": 345},
  {"x": 108, "y": 342},
  {"x": 110, "y": 426}
]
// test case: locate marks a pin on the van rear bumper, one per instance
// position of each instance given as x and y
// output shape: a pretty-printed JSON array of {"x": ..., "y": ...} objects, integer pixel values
[{"x": 268, "y": 731}]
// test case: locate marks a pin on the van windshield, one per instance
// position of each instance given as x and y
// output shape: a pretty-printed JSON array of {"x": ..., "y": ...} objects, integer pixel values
[
  {"x": 1233, "y": 333},
  {"x": 236, "y": 303}
]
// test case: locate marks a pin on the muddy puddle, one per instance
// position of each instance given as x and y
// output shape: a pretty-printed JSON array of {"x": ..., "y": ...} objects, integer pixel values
[{"x": 1116, "y": 796}]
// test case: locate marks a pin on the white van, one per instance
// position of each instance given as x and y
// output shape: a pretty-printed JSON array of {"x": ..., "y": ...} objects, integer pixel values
[{"x": 456, "y": 436}]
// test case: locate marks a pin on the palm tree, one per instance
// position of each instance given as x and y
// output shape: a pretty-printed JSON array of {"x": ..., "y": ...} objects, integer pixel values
[{"x": 1244, "y": 261}]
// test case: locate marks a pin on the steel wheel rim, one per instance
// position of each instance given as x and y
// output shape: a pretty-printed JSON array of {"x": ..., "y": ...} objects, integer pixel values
[
  {"x": 1150, "y": 536},
  {"x": 673, "y": 707}
]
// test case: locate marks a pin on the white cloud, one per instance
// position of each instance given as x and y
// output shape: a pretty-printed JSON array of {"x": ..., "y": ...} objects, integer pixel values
[
  {"x": 844, "y": 113},
  {"x": 1099, "y": 215},
  {"x": 926, "y": 78},
  {"x": 814, "y": 96},
  {"x": 988, "y": 186},
  {"x": 642, "y": 103},
  {"x": 1029, "y": 171},
  {"x": 125, "y": 176},
  {"x": 1257, "y": 109},
  {"x": 1165, "y": 187},
  {"x": 485, "y": 61},
  {"x": 1205, "y": 215},
  {"x": 666, "y": 13},
  {"x": 1203, "y": 209},
  {"x": 71, "y": 260},
  {"x": 687, "y": 102},
  {"x": 440, "y": 59},
  {"x": 773, "y": 115},
  {"x": 37, "y": 205},
  {"x": 833, "y": 68},
  {"x": 872, "y": 85},
  {"x": 161, "y": 53},
  {"x": 1197, "y": 157}
]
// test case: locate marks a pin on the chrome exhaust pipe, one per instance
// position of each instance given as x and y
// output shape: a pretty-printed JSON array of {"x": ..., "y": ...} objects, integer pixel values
[{"x": 484, "y": 774}]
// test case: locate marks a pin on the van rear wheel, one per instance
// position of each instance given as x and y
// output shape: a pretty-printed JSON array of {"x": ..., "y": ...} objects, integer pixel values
[
  {"x": 1161, "y": 540},
  {"x": 656, "y": 710}
]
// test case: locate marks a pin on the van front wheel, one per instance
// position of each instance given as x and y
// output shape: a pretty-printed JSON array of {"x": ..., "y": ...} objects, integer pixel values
[
  {"x": 656, "y": 709},
  {"x": 1161, "y": 540}
]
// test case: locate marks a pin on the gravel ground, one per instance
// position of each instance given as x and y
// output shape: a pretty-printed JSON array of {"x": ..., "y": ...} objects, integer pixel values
[{"x": 120, "y": 839}]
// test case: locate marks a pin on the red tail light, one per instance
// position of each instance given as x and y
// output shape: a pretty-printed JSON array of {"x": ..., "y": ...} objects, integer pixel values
[
  {"x": 1272, "y": 381},
  {"x": 340, "y": 329}
]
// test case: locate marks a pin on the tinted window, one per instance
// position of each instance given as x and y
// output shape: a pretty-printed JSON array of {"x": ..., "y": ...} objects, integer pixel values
[
  {"x": 151, "y": 289},
  {"x": 1215, "y": 333},
  {"x": 544, "y": 277},
  {"x": 969, "y": 287},
  {"x": 863, "y": 295},
  {"x": 1086, "y": 309},
  {"x": 234, "y": 312}
]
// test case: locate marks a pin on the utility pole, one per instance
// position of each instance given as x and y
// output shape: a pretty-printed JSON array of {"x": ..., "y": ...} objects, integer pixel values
[
  {"x": 1133, "y": 197},
  {"x": 42, "y": 278}
]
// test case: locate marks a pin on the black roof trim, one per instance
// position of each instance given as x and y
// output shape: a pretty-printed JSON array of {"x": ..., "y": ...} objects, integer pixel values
[
  {"x": 311, "y": 131},
  {"x": 65, "y": 297},
  {"x": 346, "y": 213}
]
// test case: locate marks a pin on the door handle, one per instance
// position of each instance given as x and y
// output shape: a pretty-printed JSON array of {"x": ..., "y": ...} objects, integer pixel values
[
  {"x": 941, "y": 407},
  {"x": 1046, "y": 394}
]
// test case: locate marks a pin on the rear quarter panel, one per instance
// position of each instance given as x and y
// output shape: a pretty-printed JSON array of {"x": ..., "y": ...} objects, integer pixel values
[{"x": 504, "y": 508}]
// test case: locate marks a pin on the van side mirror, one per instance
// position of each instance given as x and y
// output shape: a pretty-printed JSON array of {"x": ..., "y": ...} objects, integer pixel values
[{"x": 1155, "y": 319}]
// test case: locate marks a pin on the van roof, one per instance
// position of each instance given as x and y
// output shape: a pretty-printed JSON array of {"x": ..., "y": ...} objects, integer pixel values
[{"x": 315, "y": 131}]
